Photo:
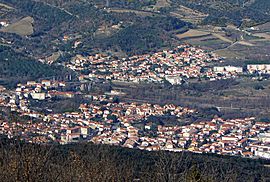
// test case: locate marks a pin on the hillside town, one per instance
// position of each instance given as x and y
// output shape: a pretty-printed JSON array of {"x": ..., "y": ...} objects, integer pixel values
[
  {"x": 135, "y": 90},
  {"x": 103, "y": 119},
  {"x": 176, "y": 66}
]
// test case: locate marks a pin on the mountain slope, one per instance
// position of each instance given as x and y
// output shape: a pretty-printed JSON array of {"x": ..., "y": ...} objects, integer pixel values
[{"x": 222, "y": 12}]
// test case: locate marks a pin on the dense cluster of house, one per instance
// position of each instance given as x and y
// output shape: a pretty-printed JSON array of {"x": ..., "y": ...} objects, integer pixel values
[
  {"x": 175, "y": 66},
  {"x": 105, "y": 120},
  {"x": 233, "y": 137},
  {"x": 181, "y": 63},
  {"x": 45, "y": 89},
  {"x": 42, "y": 90},
  {"x": 19, "y": 100},
  {"x": 100, "y": 115},
  {"x": 243, "y": 137}
]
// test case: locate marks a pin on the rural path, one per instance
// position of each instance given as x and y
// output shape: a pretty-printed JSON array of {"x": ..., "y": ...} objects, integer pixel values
[
  {"x": 229, "y": 46},
  {"x": 6, "y": 6},
  {"x": 234, "y": 43},
  {"x": 61, "y": 9}
]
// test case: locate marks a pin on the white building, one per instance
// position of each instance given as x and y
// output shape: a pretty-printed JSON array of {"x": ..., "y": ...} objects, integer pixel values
[
  {"x": 4, "y": 23},
  {"x": 225, "y": 69},
  {"x": 174, "y": 80},
  {"x": 264, "y": 137},
  {"x": 38, "y": 96},
  {"x": 262, "y": 68},
  {"x": 263, "y": 152}
]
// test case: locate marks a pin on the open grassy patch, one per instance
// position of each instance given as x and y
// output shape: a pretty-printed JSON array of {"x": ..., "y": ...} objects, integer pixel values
[
  {"x": 192, "y": 33},
  {"x": 189, "y": 15},
  {"x": 223, "y": 38},
  {"x": 209, "y": 42},
  {"x": 22, "y": 27}
]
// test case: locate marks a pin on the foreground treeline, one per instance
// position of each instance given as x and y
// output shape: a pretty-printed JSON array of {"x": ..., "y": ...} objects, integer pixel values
[{"x": 88, "y": 162}]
